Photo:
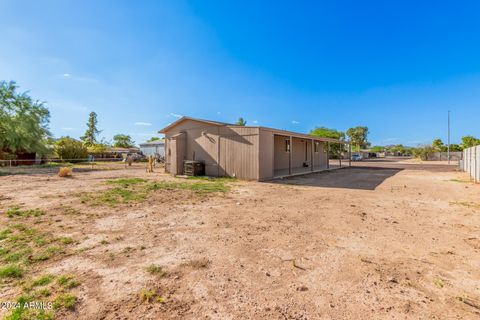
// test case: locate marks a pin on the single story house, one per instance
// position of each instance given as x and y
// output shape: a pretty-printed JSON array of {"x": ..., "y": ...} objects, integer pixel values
[
  {"x": 245, "y": 152},
  {"x": 153, "y": 148}
]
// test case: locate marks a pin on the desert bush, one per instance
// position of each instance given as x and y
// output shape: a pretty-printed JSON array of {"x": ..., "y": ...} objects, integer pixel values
[
  {"x": 156, "y": 269},
  {"x": 423, "y": 152},
  {"x": 70, "y": 149},
  {"x": 98, "y": 148},
  {"x": 65, "y": 172},
  {"x": 67, "y": 301}
]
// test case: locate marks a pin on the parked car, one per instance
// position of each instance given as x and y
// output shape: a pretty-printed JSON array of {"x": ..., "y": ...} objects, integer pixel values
[{"x": 357, "y": 157}]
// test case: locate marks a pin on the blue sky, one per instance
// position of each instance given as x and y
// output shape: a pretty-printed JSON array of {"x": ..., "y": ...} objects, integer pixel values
[{"x": 394, "y": 66}]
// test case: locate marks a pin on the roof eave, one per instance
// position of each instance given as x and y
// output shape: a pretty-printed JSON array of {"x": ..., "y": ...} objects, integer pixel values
[{"x": 173, "y": 124}]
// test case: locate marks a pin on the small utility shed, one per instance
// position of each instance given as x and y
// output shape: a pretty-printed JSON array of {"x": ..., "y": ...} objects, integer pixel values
[
  {"x": 152, "y": 148},
  {"x": 245, "y": 152}
]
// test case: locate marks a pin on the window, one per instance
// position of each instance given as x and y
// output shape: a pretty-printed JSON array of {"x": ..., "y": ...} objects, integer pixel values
[
  {"x": 287, "y": 145},
  {"x": 316, "y": 146}
]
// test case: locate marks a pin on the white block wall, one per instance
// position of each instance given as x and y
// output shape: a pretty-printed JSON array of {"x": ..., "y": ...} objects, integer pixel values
[{"x": 471, "y": 162}]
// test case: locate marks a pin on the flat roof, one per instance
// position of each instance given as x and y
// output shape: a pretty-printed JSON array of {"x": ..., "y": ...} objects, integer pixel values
[{"x": 153, "y": 143}]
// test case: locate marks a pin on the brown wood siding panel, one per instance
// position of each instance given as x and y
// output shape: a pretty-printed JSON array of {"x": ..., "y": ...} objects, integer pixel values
[
  {"x": 167, "y": 155},
  {"x": 239, "y": 152},
  {"x": 281, "y": 158},
  {"x": 225, "y": 150},
  {"x": 200, "y": 140},
  {"x": 320, "y": 158},
  {"x": 180, "y": 153},
  {"x": 266, "y": 155},
  {"x": 298, "y": 153}
]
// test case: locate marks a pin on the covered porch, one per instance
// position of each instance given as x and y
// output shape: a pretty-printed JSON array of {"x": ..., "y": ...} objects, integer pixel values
[{"x": 302, "y": 154}]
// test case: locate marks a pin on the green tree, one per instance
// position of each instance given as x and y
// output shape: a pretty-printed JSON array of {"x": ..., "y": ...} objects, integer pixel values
[
  {"x": 377, "y": 149},
  {"x": 98, "y": 148},
  {"x": 323, "y": 132},
  {"x": 328, "y": 133},
  {"x": 241, "y": 122},
  {"x": 23, "y": 122},
  {"x": 153, "y": 139},
  {"x": 438, "y": 145},
  {"x": 399, "y": 149},
  {"x": 470, "y": 141},
  {"x": 123, "y": 141},
  {"x": 455, "y": 147},
  {"x": 90, "y": 136},
  {"x": 70, "y": 149},
  {"x": 358, "y": 136}
]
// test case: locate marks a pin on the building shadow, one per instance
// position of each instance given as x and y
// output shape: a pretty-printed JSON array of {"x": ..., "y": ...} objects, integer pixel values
[{"x": 362, "y": 178}]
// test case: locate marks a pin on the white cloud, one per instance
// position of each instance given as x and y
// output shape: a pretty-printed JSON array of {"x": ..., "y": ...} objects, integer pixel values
[
  {"x": 140, "y": 123},
  {"x": 175, "y": 115},
  {"x": 295, "y": 122},
  {"x": 218, "y": 112},
  {"x": 79, "y": 78},
  {"x": 67, "y": 128},
  {"x": 255, "y": 121}
]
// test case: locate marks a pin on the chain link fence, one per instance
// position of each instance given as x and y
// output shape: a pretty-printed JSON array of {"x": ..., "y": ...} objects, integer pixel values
[
  {"x": 52, "y": 166},
  {"x": 471, "y": 162}
]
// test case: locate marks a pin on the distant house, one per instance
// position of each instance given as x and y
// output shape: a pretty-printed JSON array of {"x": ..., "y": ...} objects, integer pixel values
[
  {"x": 245, "y": 152},
  {"x": 153, "y": 148},
  {"x": 20, "y": 158}
]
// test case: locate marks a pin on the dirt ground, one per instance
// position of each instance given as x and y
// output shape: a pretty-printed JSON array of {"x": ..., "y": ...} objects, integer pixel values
[{"x": 380, "y": 240}]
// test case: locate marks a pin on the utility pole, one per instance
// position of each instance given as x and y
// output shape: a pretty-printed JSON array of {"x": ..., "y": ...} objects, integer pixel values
[{"x": 448, "y": 153}]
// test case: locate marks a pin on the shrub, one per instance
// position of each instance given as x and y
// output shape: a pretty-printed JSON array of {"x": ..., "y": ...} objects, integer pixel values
[
  {"x": 66, "y": 301},
  {"x": 156, "y": 269},
  {"x": 65, "y": 172},
  {"x": 98, "y": 148},
  {"x": 68, "y": 282},
  {"x": 11, "y": 271},
  {"x": 423, "y": 152},
  {"x": 151, "y": 296},
  {"x": 42, "y": 281},
  {"x": 70, "y": 149}
]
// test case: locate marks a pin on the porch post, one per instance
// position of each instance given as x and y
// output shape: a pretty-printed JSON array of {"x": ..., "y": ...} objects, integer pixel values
[
  {"x": 328, "y": 155},
  {"x": 290, "y": 156},
  {"x": 340, "y": 155},
  {"x": 312, "y": 149},
  {"x": 349, "y": 154}
]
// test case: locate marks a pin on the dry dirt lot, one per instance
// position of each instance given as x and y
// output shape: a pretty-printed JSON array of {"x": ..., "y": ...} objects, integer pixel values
[{"x": 381, "y": 240}]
